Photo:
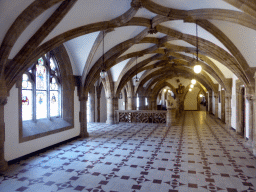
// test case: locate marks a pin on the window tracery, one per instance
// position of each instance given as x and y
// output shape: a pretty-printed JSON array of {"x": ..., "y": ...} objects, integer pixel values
[{"x": 41, "y": 90}]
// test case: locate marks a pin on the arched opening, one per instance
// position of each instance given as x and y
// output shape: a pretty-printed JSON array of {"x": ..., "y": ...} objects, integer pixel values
[
  {"x": 191, "y": 100},
  {"x": 103, "y": 106}
]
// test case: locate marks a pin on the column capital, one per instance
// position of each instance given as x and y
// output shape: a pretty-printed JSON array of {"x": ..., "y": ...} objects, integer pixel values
[
  {"x": 250, "y": 97},
  {"x": 83, "y": 98},
  {"x": 3, "y": 101},
  {"x": 111, "y": 97}
]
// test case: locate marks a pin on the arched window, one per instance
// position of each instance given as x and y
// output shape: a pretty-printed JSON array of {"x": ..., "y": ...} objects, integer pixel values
[{"x": 41, "y": 90}]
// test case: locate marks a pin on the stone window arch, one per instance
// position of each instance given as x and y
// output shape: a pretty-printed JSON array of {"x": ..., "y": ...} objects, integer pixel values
[{"x": 46, "y": 94}]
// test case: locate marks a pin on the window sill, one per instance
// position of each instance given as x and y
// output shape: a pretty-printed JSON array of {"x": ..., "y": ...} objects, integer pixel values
[{"x": 43, "y": 127}]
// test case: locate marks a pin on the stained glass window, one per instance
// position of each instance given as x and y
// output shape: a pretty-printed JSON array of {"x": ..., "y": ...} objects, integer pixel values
[
  {"x": 27, "y": 98},
  {"x": 41, "y": 105},
  {"x": 41, "y": 77},
  {"x": 41, "y": 85}
]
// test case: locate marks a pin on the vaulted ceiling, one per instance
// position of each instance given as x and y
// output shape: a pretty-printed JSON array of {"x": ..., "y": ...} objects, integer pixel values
[{"x": 161, "y": 34}]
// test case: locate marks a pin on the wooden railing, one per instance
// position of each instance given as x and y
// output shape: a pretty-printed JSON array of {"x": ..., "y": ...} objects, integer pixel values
[{"x": 141, "y": 116}]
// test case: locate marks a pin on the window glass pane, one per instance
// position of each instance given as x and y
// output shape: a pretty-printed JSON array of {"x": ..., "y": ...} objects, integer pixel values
[
  {"x": 27, "y": 103},
  {"x": 54, "y": 103},
  {"x": 52, "y": 64},
  {"x": 40, "y": 61},
  {"x": 25, "y": 82},
  {"x": 40, "y": 77},
  {"x": 54, "y": 85},
  {"x": 41, "y": 105}
]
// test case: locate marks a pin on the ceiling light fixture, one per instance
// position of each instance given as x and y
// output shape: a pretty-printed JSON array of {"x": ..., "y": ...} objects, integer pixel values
[
  {"x": 190, "y": 89},
  {"x": 191, "y": 86},
  {"x": 193, "y": 81},
  {"x": 197, "y": 67},
  {"x": 103, "y": 72}
]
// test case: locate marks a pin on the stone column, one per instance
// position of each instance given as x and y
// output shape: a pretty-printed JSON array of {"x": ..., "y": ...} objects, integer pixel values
[
  {"x": 179, "y": 103},
  {"x": 250, "y": 99},
  {"x": 216, "y": 105},
  {"x": 238, "y": 110},
  {"x": 92, "y": 105},
  {"x": 207, "y": 102},
  {"x": 115, "y": 103},
  {"x": 170, "y": 116},
  {"x": 110, "y": 110},
  {"x": 210, "y": 103},
  {"x": 149, "y": 103},
  {"x": 98, "y": 108},
  {"x": 3, "y": 101},
  {"x": 142, "y": 102},
  {"x": 228, "y": 111},
  {"x": 134, "y": 107},
  {"x": 130, "y": 102},
  {"x": 112, "y": 105},
  {"x": 153, "y": 104},
  {"x": 83, "y": 117},
  {"x": 223, "y": 106}
]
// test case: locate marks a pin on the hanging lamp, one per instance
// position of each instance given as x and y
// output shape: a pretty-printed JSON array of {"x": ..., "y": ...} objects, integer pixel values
[
  {"x": 197, "y": 67},
  {"x": 103, "y": 72},
  {"x": 193, "y": 81}
]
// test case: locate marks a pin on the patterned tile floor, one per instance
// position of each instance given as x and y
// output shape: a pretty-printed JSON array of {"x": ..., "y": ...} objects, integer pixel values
[{"x": 197, "y": 154}]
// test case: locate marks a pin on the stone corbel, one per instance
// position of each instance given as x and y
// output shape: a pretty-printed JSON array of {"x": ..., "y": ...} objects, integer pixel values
[
  {"x": 136, "y": 4},
  {"x": 3, "y": 100}
]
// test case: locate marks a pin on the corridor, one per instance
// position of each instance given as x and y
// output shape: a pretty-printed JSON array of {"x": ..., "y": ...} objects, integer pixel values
[{"x": 197, "y": 154}]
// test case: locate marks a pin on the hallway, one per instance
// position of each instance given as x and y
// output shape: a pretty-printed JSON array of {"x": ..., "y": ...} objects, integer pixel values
[{"x": 197, "y": 154}]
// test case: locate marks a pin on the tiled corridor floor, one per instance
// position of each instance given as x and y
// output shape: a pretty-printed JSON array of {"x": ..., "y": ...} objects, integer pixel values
[{"x": 197, "y": 154}]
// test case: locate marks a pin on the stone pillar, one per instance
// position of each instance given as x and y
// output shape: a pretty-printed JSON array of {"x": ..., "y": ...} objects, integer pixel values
[
  {"x": 3, "y": 101},
  {"x": 223, "y": 106},
  {"x": 130, "y": 103},
  {"x": 92, "y": 105},
  {"x": 142, "y": 102},
  {"x": 239, "y": 99},
  {"x": 216, "y": 105},
  {"x": 98, "y": 108},
  {"x": 112, "y": 105},
  {"x": 149, "y": 103},
  {"x": 170, "y": 116},
  {"x": 207, "y": 102},
  {"x": 180, "y": 103},
  {"x": 134, "y": 107},
  {"x": 125, "y": 104},
  {"x": 210, "y": 103},
  {"x": 250, "y": 99},
  {"x": 115, "y": 106},
  {"x": 153, "y": 104},
  {"x": 83, "y": 117},
  {"x": 110, "y": 110},
  {"x": 228, "y": 111}
]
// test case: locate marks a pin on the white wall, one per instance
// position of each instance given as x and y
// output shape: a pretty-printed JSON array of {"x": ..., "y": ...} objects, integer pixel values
[
  {"x": 103, "y": 107},
  {"x": 213, "y": 103},
  {"x": 190, "y": 102},
  {"x": 219, "y": 104},
  {"x": 120, "y": 104},
  {"x": 233, "y": 103},
  {"x": 246, "y": 116},
  {"x": 13, "y": 149}
]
